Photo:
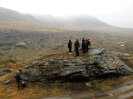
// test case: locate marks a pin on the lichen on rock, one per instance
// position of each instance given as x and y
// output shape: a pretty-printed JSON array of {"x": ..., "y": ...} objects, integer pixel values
[{"x": 100, "y": 62}]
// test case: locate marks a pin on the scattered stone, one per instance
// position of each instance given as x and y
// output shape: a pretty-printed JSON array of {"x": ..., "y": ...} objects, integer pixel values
[
  {"x": 122, "y": 45},
  {"x": 7, "y": 82},
  {"x": 110, "y": 94},
  {"x": 125, "y": 54},
  {"x": 70, "y": 53},
  {"x": 88, "y": 84},
  {"x": 21, "y": 45}
]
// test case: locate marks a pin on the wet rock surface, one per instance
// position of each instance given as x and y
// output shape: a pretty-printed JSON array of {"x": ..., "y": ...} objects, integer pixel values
[
  {"x": 55, "y": 69},
  {"x": 106, "y": 63}
]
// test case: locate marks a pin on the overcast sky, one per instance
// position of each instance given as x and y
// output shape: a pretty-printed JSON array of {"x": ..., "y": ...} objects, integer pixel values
[{"x": 114, "y": 12}]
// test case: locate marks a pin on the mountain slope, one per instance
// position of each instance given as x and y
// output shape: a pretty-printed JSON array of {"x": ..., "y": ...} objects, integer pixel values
[
  {"x": 7, "y": 14},
  {"x": 71, "y": 23},
  {"x": 10, "y": 19}
]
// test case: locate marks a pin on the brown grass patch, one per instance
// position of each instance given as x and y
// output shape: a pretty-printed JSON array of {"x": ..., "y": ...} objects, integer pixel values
[{"x": 106, "y": 84}]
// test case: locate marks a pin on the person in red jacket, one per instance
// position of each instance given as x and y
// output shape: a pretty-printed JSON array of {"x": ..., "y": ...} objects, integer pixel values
[{"x": 89, "y": 43}]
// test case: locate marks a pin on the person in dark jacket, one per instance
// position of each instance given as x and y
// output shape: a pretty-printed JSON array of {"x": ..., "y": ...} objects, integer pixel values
[
  {"x": 83, "y": 45},
  {"x": 87, "y": 45},
  {"x": 70, "y": 46},
  {"x": 77, "y": 45},
  {"x": 18, "y": 80}
]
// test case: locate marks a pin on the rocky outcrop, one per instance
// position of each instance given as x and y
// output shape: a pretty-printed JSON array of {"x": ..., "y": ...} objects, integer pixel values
[
  {"x": 53, "y": 69},
  {"x": 100, "y": 62},
  {"x": 105, "y": 63}
]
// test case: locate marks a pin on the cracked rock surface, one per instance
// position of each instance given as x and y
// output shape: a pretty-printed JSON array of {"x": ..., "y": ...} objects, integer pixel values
[{"x": 54, "y": 69}]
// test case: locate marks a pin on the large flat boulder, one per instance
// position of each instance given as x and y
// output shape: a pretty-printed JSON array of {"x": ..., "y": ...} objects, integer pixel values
[{"x": 100, "y": 62}]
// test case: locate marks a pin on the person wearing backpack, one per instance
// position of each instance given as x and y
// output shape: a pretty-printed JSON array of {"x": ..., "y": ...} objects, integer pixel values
[
  {"x": 70, "y": 46},
  {"x": 77, "y": 46}
]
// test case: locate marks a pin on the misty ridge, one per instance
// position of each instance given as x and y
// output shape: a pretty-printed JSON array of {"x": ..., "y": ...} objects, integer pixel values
[{"x": 10, "y": 19}]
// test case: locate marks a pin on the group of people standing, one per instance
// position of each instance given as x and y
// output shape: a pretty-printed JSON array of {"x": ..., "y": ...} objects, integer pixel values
[{"x": 86, "y": 44}]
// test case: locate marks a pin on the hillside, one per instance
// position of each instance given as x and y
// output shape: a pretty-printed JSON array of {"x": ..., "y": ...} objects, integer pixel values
[
  {"x": 10, "y": 19},
  {"x": 72, "y": 22}
]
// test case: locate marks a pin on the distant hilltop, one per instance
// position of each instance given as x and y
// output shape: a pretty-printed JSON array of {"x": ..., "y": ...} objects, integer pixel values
[{"x": 9, "y": 17}]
